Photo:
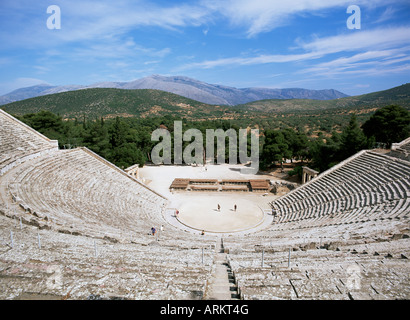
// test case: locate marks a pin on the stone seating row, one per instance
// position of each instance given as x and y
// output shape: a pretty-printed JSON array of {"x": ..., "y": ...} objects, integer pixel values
[
  {"x": 329, "y": 195},
  {"x": 358, "y": 179},
  {"x": 83, "y": 266},
  {"x": 79, "y": 192},
  {"x": 352, "y": 272},
  {"x": 17, "y": 141},
  {"x": 76, "y": 189}
]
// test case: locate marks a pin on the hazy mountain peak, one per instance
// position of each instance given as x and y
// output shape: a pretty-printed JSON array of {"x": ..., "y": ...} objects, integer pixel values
[{"x": 184, "y": 86}]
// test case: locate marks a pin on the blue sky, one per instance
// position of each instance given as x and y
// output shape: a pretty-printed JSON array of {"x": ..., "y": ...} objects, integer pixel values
[{"x": 240, "y": 43}]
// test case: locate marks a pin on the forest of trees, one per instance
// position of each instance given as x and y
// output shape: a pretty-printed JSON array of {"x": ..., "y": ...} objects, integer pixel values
[
  {"x": 387, "y": 125},
  {"x": 127, "y": 141}
]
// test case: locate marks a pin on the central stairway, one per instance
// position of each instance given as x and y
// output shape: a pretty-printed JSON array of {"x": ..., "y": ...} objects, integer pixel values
[{"x": 221, "y": 285}]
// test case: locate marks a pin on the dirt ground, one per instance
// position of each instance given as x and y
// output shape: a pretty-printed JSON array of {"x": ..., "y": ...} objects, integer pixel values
[{"x": 198, "y": 209}]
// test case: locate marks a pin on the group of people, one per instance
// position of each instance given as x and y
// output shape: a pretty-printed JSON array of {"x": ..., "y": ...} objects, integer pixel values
[
  {"x": 154, "y": 230},
  {"x": 219, "y": 209},
  {"x": 234, "y": 207},
  {"x": 274, "y": 212}
]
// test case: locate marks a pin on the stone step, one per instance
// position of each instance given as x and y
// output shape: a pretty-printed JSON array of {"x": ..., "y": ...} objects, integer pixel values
[{"x": 221, "y": 285}]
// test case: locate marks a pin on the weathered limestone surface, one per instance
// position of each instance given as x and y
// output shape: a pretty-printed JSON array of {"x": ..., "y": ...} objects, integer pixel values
[{"x": 73, "y": 226}]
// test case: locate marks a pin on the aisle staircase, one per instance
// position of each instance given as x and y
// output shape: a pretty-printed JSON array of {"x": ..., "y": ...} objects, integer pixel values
[{"x": 222, "y": 284}]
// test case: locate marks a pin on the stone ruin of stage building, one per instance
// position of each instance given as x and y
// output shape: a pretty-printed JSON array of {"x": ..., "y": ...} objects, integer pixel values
[{"x": 252, "y": 185}]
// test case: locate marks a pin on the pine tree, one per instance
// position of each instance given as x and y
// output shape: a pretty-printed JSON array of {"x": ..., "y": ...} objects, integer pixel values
[
  {"x": 388, "y": 125},
  {"x": 118, "y": 133},
  {"x": 352, "y": 139},
  {"x": 275, "y": 149}
]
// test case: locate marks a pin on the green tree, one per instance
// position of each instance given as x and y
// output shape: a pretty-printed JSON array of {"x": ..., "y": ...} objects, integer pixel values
[
  {"x": 388, "y": 125},
  {"x": 127, "y": 155},
  {"x": 51, "y": 125},
  {"x": 352, "y": 139},
  {"x": 95, "y": 137},
  {"x": 275, "y": 149},
  {"x": 297, "y": 143},
  {"x": 118, "y": 133},
  {"x": 45, "y": 122},
  {"x": 325, "y": 153}
]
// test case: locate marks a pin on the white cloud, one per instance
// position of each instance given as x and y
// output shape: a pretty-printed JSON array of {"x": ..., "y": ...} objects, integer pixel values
[
  {"x": 259, "y": 16},
  {"x": 41, "y": 69},
  {"x": 362, "y": 39},
  {"x": 86, "y": 20},
  {"x": 373, "y": 53},
  {"x": 152, "y": 62},
  {"x": 387, "y": 14},
  {"x": 100, "y": 20},
  {"x": 261, "y": 59},
  {"x": 361, "y": 60},
  {"x": 373, "y": 44},
  {"x": 108, "y": 30},
  {"x": 126, "y": 49},
  {"x": 90, "y": 20}
]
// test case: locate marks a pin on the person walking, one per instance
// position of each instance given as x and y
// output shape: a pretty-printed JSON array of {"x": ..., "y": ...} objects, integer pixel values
[
  {"x": 219, "y": 207},
  {"x": 234, "y": 208}
]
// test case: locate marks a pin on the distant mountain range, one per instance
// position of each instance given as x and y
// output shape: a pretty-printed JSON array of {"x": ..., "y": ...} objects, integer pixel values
[
  {"x": 186, "y": 87},
  {"x": 94, "y": 103}
]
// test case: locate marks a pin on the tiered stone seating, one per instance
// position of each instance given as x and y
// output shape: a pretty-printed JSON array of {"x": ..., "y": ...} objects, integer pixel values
[
  {"x": 103, "y": 246},
  {"x": 401, "y": 150},
  {"x": 368, "y": 182},
  {"x": 78, "y": 267},
  {"x": 357, "y": 271},
  {"x": 349, "y": 216},
  {"x": 94, "y": 221},
  {"x": 406, "y": 147},
  {"x": 18, "y": 142},
  {"x": 75, "y": 189}
]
